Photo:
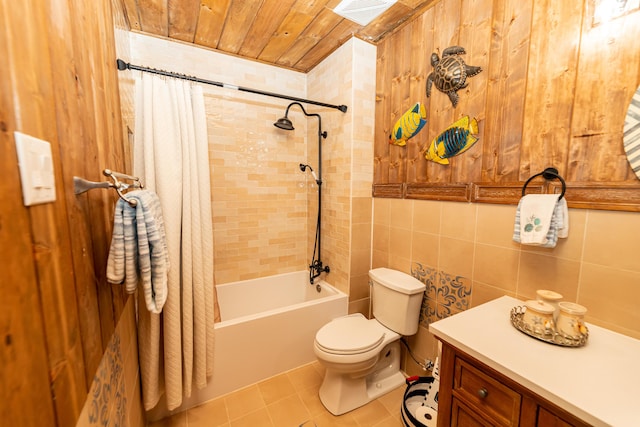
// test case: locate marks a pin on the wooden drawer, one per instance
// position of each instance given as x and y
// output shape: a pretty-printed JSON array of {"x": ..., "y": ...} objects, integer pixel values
[
  {"x": 490, "y": 398},
  {"x": 547, "y": 419},
  {"x": 463, "y": 416}
]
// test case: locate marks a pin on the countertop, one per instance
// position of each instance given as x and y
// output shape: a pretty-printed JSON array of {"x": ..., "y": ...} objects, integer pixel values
[{"x": 599, "y": 382}]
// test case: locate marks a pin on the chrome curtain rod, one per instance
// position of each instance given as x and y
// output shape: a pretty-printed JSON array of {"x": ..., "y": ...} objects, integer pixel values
[{"x": 122, "y": 65}]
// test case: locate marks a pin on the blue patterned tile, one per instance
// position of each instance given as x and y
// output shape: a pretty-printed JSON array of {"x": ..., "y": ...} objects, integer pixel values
[
  {"x": 446, "y": 294},
  {"x": 428, "y": 276},
  {"x": 454, "y": 291},
  {"x": 428, "y": 312},
  {"x": 107, "y": 390}
]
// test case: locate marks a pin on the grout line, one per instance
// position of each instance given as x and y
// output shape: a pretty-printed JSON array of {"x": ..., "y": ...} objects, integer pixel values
[{"x": 581, "y": 259}]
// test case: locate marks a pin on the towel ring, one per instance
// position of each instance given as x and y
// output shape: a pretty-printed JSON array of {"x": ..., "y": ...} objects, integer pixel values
[{"x": 548, "y": 174}]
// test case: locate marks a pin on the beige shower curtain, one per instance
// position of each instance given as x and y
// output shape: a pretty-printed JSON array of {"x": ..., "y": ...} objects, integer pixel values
[{"x": 171, "y": 158}]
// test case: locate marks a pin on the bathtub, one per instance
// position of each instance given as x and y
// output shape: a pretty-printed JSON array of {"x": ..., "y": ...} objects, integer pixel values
[{"x": 268, "y": 327}]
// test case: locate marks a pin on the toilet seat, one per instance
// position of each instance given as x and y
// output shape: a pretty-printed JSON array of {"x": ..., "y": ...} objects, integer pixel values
[{"x": 350, "y": 335}]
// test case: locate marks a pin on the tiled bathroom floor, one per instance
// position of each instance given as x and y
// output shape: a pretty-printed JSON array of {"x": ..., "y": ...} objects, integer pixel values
[{"x": 287, "y": 400}]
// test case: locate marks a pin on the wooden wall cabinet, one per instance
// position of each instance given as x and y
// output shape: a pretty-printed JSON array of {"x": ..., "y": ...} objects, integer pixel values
[{"x": 473, "y": 394}]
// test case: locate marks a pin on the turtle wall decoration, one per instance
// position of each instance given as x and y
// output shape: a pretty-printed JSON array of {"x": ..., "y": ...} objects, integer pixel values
[{"x": 450, "y": 72}]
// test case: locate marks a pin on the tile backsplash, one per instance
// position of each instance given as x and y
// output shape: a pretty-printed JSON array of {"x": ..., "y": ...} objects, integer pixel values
[
  {"x": 446, "y": 294},
  {"x": 465, "y": 255}
]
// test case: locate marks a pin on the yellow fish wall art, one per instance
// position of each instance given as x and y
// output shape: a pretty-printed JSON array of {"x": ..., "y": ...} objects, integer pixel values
[
  {"x": 408, "y": 125},
  {"x": 454, "y": 140}
]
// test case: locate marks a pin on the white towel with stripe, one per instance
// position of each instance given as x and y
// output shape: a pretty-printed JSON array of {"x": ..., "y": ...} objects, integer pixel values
[{"x": 138, "y": 252}]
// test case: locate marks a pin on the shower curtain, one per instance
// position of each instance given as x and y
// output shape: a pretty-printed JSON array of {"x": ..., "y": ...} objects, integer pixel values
[{"x": 171, "y": 157}]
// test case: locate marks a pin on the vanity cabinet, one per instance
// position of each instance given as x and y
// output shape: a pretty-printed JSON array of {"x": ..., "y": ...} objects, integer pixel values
[
  {"x": 491, "y": 374},
  {"x": 473, "y": 394}
]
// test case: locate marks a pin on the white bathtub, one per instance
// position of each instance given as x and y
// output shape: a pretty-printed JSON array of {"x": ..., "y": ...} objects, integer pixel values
[{"x": 268, "y": 326}]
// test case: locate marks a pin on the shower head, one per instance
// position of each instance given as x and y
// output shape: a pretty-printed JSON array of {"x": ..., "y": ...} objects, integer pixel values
[{"x": 284, "y": 123}]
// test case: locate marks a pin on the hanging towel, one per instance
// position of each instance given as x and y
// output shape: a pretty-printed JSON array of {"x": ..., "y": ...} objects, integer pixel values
[
  {"x": 138, "y": 248},
  {"x": 540, "y": 220}
]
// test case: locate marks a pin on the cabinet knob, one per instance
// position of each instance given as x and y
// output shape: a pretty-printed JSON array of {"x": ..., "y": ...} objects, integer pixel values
[{"x": 482, "y": 393}]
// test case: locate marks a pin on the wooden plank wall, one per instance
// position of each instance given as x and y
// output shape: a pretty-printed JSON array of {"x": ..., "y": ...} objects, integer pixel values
[
  {"x": 58, "y": 82},
  {"x": 553, "y": 92}
]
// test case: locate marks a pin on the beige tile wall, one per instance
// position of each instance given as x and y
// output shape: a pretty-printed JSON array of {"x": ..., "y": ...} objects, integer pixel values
[
  {"x": 596, "y": 266},
  {"x": 264, "y": 208},
  {"x": 347, "y": 77},
  {"x": 259, "y": 194}
]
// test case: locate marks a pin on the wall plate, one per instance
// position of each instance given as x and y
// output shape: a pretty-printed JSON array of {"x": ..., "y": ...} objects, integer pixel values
[{"x": 36, "y": 169}]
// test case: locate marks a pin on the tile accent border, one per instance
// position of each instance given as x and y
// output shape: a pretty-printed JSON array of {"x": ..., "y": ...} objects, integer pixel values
[{"x": 446, "y": 293}]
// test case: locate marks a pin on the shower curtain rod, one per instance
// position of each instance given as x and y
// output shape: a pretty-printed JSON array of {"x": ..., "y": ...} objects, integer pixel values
[{"x": 122, "y": 65}]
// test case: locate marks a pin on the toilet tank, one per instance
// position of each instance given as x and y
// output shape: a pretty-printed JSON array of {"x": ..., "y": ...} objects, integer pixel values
[{"x": 396, "y": 299}]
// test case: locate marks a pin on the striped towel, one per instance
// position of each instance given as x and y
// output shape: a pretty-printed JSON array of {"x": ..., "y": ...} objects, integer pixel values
[{"x": 139, "y": 249}]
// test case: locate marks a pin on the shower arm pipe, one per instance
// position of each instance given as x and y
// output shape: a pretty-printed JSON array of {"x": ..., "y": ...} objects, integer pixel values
[{"x": 122, "y": 65}]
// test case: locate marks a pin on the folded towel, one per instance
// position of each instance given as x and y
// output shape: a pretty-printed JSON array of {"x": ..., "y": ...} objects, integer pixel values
[
  {"x": 139, "y": 249},
  {"x": 540, "y": 220}
]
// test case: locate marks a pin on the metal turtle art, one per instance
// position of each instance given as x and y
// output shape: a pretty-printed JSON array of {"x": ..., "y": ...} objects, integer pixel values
[{"x": 450, "y": 73}]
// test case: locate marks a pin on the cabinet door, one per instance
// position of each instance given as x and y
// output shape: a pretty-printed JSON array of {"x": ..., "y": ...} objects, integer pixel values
[
  {"x": 463, "y": 416},
  {"x": 547, "y": 419}
]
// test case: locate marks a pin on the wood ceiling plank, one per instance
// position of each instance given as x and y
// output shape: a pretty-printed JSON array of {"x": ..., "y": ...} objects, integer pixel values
[
  {"x": 239, "y": 20},
  {"x": 340, "y": 34},
  {"x": 271, "y": 31},
  {"x": 132, "y": 14},
  {"x": 416, "y": 4},
  {"x": 268, "y": 18},
  {"x": 296, "y": 21},
  {"x": 385, "y": 23},
  {"x": 211, "y": 21},
  {"x": 183, "y": 19},
  {"x": 319, "y": 28},
  {"x": 154, "y": 17}
]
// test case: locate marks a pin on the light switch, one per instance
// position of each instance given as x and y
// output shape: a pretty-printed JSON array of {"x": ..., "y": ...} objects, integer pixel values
[{"x": 36, "y": 169}]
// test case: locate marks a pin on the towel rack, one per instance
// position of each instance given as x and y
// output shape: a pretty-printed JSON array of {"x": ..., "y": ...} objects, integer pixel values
[
  {"x": 81, "y": 185},
  {"x": 548, "y": 174}
]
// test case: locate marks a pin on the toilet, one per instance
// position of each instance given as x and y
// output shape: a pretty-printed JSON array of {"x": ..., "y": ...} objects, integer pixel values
[{"x": 362, "y": 356}]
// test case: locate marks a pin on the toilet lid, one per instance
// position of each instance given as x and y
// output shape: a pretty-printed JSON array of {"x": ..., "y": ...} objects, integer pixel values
[{"x": 349, "y": 335}]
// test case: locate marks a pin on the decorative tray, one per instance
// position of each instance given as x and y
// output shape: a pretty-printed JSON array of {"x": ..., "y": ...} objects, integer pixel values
[{"x": 547, "y": 334}]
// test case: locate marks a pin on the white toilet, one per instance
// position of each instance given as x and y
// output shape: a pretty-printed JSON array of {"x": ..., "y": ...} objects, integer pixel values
[{"x": 362, "y": 356}]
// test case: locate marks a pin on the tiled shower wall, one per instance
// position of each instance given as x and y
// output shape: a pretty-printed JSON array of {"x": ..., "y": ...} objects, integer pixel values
[
  {"x": 264, "y": 207},
  {"x": 259, "y": 194},
  {"x": 465, "y": 254},
  {"x": 347, "y": 77}
]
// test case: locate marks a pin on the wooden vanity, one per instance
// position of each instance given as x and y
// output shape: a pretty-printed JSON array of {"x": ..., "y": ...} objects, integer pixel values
[{"x": 491, "y": 374}]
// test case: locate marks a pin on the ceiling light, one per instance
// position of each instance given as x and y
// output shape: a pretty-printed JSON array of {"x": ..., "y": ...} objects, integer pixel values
[{"x": 362, "y": 11}]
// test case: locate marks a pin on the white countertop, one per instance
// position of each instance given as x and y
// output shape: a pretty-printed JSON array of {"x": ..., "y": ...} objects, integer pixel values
[{"x": 599, "y": 382}]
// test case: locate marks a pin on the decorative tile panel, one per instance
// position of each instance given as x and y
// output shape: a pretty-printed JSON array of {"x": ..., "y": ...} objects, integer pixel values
[
  {"x": 108, "y": 404},
  {"x": 446, "y": 294}
]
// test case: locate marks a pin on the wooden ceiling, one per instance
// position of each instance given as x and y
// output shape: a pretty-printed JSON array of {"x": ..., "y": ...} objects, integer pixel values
[{"x": 294, "y": 34}]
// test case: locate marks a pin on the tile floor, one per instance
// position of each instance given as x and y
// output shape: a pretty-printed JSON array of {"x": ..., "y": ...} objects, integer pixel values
[{"x": 286, "y": 400}]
